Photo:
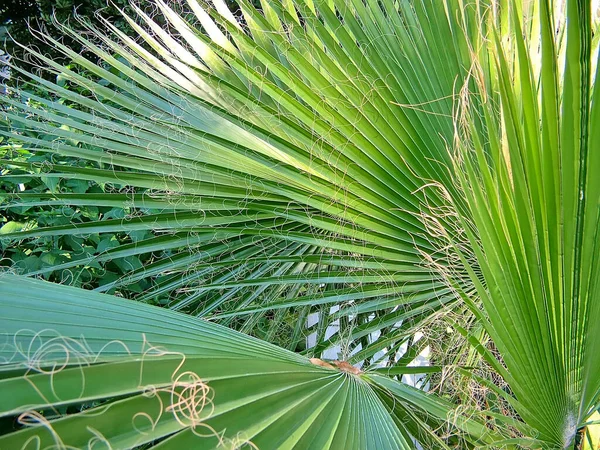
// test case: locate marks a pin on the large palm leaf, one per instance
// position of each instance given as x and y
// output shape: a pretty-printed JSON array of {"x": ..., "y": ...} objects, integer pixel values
[
  {"x": 289, "y": 149},
  {"x": 532, "y": 221},
  {"x": 140, "y": 375}
]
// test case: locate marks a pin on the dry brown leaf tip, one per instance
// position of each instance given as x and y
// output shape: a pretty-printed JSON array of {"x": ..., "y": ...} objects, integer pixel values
[
  {"x": 343, "y": 366},
  {"x": 321, "y": 363}
]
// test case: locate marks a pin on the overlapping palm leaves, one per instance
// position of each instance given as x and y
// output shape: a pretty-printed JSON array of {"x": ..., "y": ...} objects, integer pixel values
[
  {"x": 295, "y": 170},
  {"x": 391, "y": 159}
]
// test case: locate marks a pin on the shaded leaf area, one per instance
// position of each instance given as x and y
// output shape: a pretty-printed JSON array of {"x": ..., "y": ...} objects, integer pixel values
[
  {"x": 23, "y": 18},
  {"x": 52, "y": 251}
]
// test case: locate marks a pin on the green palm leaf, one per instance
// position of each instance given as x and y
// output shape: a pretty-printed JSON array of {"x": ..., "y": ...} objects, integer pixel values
[
  {"x": 532, "y": 220},
  {"x": 169, "y": 379},
  {"x": 135, "y": 374},
  {"x": 281, "y": 132}
]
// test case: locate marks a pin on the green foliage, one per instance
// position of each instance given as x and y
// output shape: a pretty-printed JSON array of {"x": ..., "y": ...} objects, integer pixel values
[
  {"x": 213, "y": 387},
  {"x": 20, "y": 17},
  {"x": 17, "y": 10},
  {"x": 409, "y": 172},
  {"x": 46, "y": 253}
]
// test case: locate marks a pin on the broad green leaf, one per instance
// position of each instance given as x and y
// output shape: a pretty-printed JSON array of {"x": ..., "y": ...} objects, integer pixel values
[{"x": 144, "y": 375}]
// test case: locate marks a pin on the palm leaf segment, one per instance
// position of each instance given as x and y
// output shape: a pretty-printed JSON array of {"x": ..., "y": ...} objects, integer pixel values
[
  {"x": 534, "y": 210},
  {"x": 211, "y": 380}
]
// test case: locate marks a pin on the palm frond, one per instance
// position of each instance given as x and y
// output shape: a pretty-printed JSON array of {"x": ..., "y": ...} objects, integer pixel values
[
  {"x": 82, "y": 368},
  {"x": 286, "y": 131},
  {"x": 532, "y": 220}
]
